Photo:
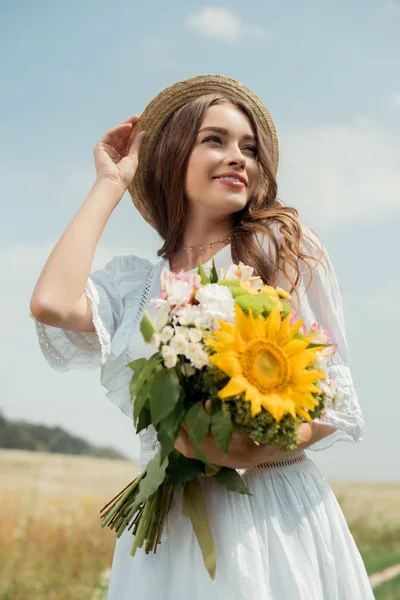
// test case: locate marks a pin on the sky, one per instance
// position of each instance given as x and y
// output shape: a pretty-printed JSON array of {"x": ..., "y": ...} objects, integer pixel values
[{"x": 328, "y": 72}]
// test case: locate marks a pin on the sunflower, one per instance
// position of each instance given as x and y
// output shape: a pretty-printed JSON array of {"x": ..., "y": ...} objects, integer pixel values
[{"x": 267, "y": 363}]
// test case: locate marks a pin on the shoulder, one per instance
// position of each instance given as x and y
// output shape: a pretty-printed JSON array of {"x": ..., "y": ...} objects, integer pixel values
[{"x": 125, "y": 273}]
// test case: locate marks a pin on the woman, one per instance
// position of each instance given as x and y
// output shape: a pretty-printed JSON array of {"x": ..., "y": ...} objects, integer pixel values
[{"x": 205, "y": 179}]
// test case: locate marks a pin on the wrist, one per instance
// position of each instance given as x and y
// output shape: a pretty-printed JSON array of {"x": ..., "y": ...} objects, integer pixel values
[{"x": 109, "y": 187}]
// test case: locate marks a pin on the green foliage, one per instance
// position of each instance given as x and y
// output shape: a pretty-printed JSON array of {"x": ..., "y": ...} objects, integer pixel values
[
  {"x": 203, "y": 277},
  {"x": 221, "y": 426},
  {"x": 182, "y": 469},
  {"x": 164, "y": 394},
  {"x": 231, "y": 479},
  {"x": 41, "y": 438},
  {"x": 198, "y": 423},
  {"x": 147, "y": 327}
]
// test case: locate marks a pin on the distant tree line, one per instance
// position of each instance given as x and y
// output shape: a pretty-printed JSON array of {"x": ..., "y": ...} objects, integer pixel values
[{"x": 41, "y": 438}]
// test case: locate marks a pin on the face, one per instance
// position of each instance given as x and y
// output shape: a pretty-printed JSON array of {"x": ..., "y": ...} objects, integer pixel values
[{"x": 223, "y": 169}]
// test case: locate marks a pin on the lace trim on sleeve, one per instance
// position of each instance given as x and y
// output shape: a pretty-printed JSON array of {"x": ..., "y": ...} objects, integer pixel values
[
  {"x": 81, "y": 350},
  {"x": 104, "y": 337}
]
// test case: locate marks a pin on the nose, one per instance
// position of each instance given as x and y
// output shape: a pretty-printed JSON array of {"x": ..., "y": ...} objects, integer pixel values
[{"x": 234, "y": 156}]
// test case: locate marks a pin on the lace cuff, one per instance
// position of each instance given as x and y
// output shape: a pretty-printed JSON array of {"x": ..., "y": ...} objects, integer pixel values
[
  {"x": 65, "y": 350},
  {"x": 346, "y": 416}
]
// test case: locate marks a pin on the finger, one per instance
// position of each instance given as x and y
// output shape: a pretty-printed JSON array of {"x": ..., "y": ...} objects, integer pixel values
[
  {"x": 304, "y": 433},
  {"x": 135, "y": 145},
  {"x": 133, "y": 119},
  {"x": 118, "y": 135},
  {"x": 207, "y": 406}
]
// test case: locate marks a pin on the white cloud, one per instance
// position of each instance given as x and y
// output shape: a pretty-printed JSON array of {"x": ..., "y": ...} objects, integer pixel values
[
  {"x": 340, "y": 171},
  {"x": 396, "y": 99},
  {"x": 222, "y": 24}
]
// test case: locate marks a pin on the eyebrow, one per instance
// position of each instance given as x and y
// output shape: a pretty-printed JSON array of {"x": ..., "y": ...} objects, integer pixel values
[{"x": 223, "y": 131}]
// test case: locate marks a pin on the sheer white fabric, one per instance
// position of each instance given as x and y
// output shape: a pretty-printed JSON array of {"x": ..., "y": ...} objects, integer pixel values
[
  {"x": 289, "y": 540},
  {"x": 319, "y": 300}
]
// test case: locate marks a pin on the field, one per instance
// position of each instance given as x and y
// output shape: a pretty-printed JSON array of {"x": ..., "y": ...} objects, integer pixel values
[{"x": 52, "y": 547}]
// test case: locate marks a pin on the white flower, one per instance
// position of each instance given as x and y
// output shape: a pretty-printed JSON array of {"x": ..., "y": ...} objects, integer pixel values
[
  {"x": 183, "y": 331},
  {"x": 163, "y": 309},
  {"x": 166, "y": 334},
  {"x": 320, "y": 364},
  {"x": 326, "y": 389},
  {"x": 188, "y": 370},
  {"x": 187, "y": 314},
  {"x": 192, "y": 350},
  {"x": 155, "y": 341},
  {"x": 200, "y": 359},
  {"x": 179, "y": 344},
  {"x": 195, "y": 335},
  {"x": 244, "y": 273},
  {"x": 169, "y": 356},
  {"x": 216, "y": 302}
]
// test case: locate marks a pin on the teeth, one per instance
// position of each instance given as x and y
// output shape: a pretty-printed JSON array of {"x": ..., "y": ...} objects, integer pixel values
[{"x": 231, "y": 179}]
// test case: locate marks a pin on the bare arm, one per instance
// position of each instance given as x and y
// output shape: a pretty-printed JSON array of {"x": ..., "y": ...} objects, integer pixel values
[{"x": 58, "y": 298}]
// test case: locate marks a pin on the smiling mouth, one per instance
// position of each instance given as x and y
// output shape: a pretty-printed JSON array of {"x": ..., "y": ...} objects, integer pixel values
[{"x": 231, "y": 181}]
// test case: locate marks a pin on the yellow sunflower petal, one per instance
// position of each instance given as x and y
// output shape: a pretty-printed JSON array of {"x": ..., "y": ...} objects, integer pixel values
[
  {"x": 272, "y": 324},
  {"x": 227, "y": 362},
  {"x": 235, "y": 386}
]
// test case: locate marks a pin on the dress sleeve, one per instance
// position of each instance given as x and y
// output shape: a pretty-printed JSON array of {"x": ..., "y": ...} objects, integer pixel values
[
  {"x": 322, "y": 303},
  {"x": 64, "y": 349}
]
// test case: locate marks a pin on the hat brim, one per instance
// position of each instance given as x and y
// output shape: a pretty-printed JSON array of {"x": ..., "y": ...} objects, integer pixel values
[{"x": 159, "y": 110}]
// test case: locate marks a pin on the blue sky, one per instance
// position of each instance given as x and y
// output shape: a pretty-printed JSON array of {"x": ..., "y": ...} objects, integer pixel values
[{"x": 329, "y": 73}]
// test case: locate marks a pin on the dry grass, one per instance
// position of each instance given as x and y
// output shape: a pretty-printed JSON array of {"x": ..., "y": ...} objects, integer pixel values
[
  {"x": 51, "y": 542},
  {"x": 52, "y": 546}
]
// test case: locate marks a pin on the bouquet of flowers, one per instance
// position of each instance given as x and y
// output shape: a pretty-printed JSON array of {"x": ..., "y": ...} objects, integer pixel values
[{"x": 227, "y": 338}]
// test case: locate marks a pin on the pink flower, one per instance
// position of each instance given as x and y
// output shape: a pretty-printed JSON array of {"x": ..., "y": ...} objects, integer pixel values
[
  {"x": 179, "y": 289},
  {"x": 319, "y": 335}
]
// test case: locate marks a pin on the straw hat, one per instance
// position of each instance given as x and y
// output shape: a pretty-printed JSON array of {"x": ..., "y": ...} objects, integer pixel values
[{"x": 161, "y": 108}]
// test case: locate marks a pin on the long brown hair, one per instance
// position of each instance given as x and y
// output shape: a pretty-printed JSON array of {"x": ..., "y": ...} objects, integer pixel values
[{"x": 166, "y": 200}]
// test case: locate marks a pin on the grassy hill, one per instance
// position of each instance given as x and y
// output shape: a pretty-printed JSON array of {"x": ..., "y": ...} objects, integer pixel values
[{"x": 29, "y": 436}]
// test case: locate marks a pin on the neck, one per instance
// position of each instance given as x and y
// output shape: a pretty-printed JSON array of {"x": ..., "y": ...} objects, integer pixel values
[{"x": 201, "y": 239}]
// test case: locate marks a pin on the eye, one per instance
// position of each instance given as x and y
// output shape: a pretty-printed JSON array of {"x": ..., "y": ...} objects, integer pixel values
[
  {"x": 252, "y": 149},
  {"x": 213, "y": 138}
]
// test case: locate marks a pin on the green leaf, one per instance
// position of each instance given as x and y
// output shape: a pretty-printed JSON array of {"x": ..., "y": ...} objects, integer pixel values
[
  {"x": 211, "y": 470},
  {"x": 137, "y": 364},
  {"x": 150, "y": 483},
  {"x": 231, "y": 479},
  {"x": 198, "y": 423},
  {"x": 168, "y": 429},
  {"x": 183, "y": 470},
  {"x": 143, "y": 373},
  {"x": 140, "y": 400},
  {"x": 164, "y": 394},
  {"x": 193, "y": 507},
  {"x": 213, "y": 273},
  {"x": 147, "y": 327},
  {"x": 222, "y": 429},
  {"x": 203, "y": 277},
  {"x": 144, "y": 419}
]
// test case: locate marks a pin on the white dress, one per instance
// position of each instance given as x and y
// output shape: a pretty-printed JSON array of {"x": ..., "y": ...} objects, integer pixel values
[{"x": 289, "y": 540}]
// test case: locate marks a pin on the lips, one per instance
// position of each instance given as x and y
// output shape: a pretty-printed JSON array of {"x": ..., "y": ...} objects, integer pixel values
[{"x": 234, "y": 175}]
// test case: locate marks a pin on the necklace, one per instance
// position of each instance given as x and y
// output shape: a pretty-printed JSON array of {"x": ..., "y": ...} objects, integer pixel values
[{"x": 227, "y": 239}]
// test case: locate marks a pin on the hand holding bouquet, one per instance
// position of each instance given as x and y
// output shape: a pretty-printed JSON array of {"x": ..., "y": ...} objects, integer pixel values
[{"x": 233, "y": 341}]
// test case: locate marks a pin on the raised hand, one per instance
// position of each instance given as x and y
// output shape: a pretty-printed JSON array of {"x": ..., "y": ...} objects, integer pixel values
[{"x": 113, "y": 160}]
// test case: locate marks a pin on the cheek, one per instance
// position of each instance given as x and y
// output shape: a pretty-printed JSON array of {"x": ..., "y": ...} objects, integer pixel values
[{"x": 254, "y": 174}]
